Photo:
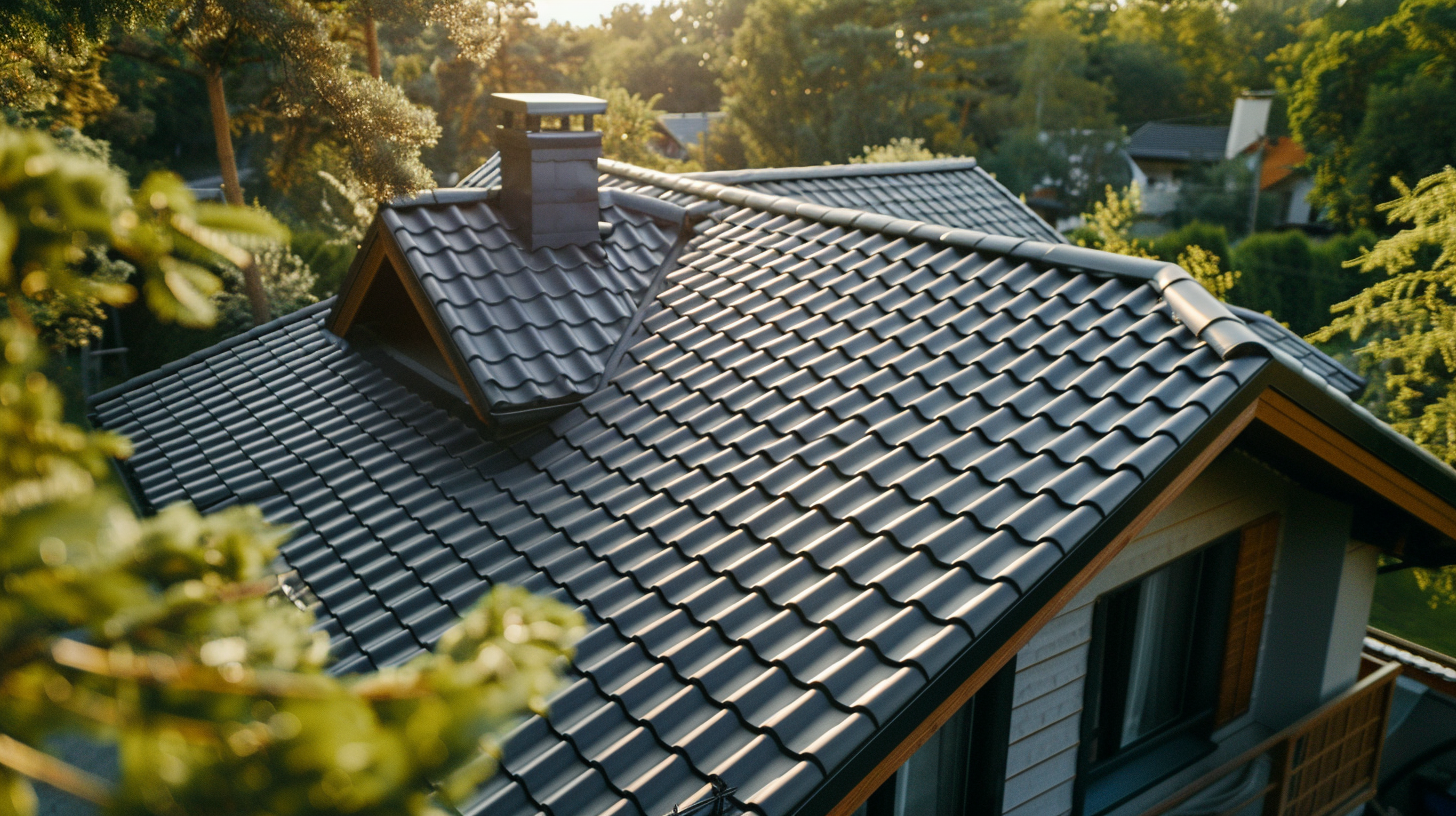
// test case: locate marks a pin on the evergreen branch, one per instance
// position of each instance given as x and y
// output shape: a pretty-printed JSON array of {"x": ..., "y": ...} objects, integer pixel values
[{"x": 42, "y": 767}]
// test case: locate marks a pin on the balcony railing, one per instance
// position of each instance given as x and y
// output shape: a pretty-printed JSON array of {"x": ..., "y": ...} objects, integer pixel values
[{"x": 1326, "y": 763}]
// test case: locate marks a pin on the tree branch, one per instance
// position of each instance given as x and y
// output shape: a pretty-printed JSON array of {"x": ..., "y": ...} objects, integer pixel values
[{"x": 42, "y": 767}]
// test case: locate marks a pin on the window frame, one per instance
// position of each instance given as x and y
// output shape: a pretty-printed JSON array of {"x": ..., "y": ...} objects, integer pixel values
[
  {"x": 1104, "y": 783},
  {"x": 982, "y": 740}
]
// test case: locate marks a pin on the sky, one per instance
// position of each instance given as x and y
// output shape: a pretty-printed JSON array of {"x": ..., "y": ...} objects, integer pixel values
[{"x": 577, "y": 12}]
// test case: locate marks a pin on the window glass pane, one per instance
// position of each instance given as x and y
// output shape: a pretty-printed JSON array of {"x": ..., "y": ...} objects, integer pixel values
[
  {"x": 916, "y": 785},
  {"x": 1157, "y": 674}
]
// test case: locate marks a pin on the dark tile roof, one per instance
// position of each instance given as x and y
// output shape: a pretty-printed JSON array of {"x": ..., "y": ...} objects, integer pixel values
[
  {"x": 840, "y": 450},
  {"x": 1311, "y": 359},
  {"x": 536, "y": 326},
  {"x": 687, "y": 128},
  {"x": 953, "y": 192},
  {"x": 1161, "y": 140}
]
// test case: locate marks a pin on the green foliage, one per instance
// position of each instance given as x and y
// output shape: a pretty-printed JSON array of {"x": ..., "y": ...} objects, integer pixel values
[
  {"x": 1296, "y": 280},
  {"x": 1109, "y": 227},
  {"x": 288, "y": 283},
  {"x": 1408, "y": 318},
  {"x": 810, "y": 81},
  {"x": 1212, "y": 238},
  {"x": 903, "y": 149},
  {"x": 1220, "y": 194},
  {"x": 672, "y": 50},
  {"x": 1419, "y": 605},
  {"x": 629, "y": 127},
  {"x": 328, "y": 258},
  {"x": 1372, "y": 97},
  {"x": 1073, "y": 166},
  {"x": 168, "y": 635}
]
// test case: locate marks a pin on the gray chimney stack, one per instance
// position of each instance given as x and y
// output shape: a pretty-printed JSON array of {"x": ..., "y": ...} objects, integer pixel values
[{"x": 549, "y": 177}]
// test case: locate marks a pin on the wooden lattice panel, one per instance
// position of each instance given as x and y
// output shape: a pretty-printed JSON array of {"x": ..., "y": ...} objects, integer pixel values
[{"x": 1332, "y": 763}]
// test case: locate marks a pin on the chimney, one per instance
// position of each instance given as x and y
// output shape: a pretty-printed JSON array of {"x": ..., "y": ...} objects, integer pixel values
[
  {"x": 1250, "y": 122},
  {"x": 549, "y": 177}
]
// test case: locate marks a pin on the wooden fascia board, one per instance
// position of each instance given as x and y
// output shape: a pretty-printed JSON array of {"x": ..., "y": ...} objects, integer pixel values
[
  {"x": 1003, "y": 655},
  {"x": 1295, "y": 423},
  {"x": 357, "y": 281}
]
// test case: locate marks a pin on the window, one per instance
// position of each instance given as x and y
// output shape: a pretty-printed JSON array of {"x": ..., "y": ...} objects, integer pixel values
[
  {"x": 961, "y": 770},
  {"x": 1153, "y": 675}
]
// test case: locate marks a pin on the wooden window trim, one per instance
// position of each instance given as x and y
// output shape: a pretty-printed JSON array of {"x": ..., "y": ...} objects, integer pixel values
[{"x": 1253, "y": 574}]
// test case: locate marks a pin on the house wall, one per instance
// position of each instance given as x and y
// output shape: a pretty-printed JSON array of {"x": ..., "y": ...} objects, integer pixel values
[{"x": 1319, "y": 601}]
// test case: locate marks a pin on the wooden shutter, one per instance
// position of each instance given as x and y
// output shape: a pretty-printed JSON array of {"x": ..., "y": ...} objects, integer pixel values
[{"x": 1252, "y": 574}]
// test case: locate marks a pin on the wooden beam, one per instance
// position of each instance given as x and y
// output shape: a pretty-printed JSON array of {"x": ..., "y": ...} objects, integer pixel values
[
  {"x": 1287, "y": 418},
  {"x": 1008, "y": 650},
  {"x": 357, "y": 285}
]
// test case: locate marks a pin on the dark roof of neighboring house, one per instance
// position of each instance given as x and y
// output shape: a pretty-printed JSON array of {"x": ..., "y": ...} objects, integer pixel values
[
  {"x": 1162, "y": 140},
  {"x": 842, "y": 458},
  {"x": 953, "y": 192},
  {"x": 688, "y": 128}
]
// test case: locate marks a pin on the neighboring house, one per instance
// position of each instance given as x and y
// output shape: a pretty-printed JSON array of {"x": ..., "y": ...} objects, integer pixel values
[
  {"x": 869, "y": 515},
  {"x": 1164, "y": 154},
  {"x": 678, "y": 134},
  {"x": 1282, "y": 173}
]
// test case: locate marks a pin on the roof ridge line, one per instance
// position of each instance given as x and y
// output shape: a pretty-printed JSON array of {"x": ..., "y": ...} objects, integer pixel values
[
  {"x": 836, "y": 170},
  {"x": 1208, "y": 319},
  {"x": 204, "y": 353}
]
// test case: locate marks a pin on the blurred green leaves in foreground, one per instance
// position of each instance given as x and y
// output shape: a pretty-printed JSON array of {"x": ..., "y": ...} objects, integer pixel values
[{"x": 168, "y": 635}]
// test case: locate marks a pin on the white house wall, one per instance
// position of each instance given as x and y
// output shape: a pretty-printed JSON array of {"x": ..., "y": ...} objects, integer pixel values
[{"x": 1051, "y": 670}]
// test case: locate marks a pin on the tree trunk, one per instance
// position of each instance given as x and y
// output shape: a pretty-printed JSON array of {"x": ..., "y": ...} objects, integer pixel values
[
  {"x": 371, "y": 43},
  {"x": 232, "y": 189}
]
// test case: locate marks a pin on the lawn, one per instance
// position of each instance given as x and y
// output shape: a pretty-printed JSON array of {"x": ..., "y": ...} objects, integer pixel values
[{"x": 1425, "y": 616}]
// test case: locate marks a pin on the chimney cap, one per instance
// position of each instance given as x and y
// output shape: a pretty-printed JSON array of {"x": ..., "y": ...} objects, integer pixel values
[{"x": 548, "y": 104}]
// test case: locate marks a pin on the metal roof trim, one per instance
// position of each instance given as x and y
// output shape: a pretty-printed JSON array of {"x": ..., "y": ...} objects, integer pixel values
[
  {"x": 1192, "y": 303},
  {"x": 834, "y": 171}
]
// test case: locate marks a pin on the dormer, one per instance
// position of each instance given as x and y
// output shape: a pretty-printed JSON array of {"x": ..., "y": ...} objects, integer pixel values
[{"x": 517, "y": 298}]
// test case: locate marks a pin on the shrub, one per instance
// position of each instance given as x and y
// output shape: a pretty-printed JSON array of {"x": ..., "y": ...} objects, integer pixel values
[
  {"x": 1295, "y": 279},
  {"x": 1213, "y": 238}
]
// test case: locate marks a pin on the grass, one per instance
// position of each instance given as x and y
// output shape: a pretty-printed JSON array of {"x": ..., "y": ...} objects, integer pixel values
[{"x": 1424, "y": 616}]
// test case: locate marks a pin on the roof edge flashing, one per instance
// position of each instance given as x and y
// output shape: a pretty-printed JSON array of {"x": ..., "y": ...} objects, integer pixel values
[
  {"x": 835, "y": 171},
  {"x": 1090, "y": 260}
]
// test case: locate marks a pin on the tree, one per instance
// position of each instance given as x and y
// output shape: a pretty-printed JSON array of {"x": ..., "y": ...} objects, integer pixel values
[
  {"x": 902, "y": 149},
  {"x": 1372, "y": 97},
  {"x": 313, "y": 92},
  {"x": 810, "y": 81},
  {"x": 1408, "y": 318},
  {"x": 161, "y": 634},
  {"x": 675, "y": 49},
  {"x": 1109, "y": 227},
  {"x": 628, "y": 128},
  {"x": 474, "y": 26}
]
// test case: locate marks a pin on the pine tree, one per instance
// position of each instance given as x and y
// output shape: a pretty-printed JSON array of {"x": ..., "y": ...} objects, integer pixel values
[
  {"x": 1408, "y": 318},
  {"x": 166, "y": 635},
  {"x": 474, "y": 26}
]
